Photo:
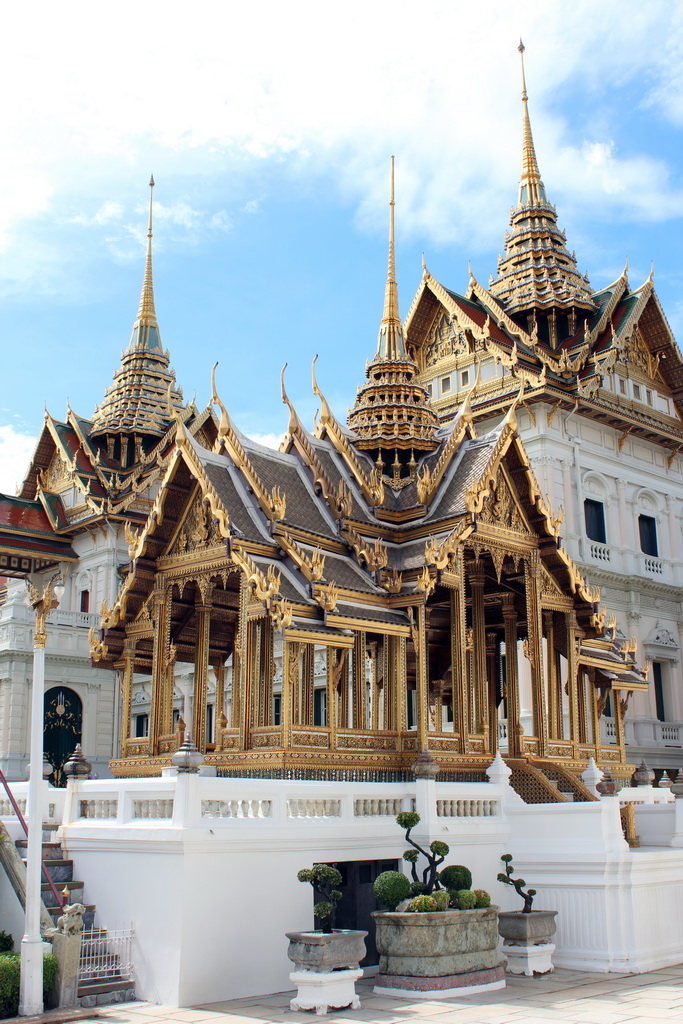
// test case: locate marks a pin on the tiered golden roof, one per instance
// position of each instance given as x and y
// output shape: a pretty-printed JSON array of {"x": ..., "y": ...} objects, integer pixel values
[
  {"x": 537, "y": 271},
  {"x": 137, "y": 401},
  {"x": 392, "y": 414}
]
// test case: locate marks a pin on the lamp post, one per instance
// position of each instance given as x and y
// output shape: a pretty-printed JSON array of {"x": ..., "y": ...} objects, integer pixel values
[{"x": 42, "y": 599}]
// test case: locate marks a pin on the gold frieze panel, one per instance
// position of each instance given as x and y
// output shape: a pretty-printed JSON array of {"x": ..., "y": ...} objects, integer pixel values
[{"x": 444, "y": 341}]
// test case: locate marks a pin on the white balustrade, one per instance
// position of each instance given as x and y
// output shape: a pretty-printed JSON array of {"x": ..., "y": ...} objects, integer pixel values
[
  {"x": 153, "y": 808},
  {"x": 653, "y": 565},
  {"x": 466, "y": 808},
  {"x": 99, "y": 808},
  {"x": 313, "y": 808},
  {"x": 370, "y": 806},
  {"x": 600, "y": 552},
  {"x": 237, "y": 808}
]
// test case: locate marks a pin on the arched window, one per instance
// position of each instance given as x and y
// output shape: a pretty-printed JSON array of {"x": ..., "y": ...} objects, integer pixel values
[{"x": 63, "y": 722}]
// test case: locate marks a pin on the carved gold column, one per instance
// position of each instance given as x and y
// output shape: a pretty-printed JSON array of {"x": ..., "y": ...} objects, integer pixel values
[
  {"x": 554, "y": 695},
  {"x": 572, "y": 681},
  {"x": 461, "y": 709},
  {"x": 620, "y": 709},
  {"x": 219, "y": 673},
  {"x": 595, "y": 715},
  {"x": 308, "y": 688},
  {"x": 359, "y": 683},
  {"x": 127, "y": 692},
  {"x": 511, "y": 675},
  {"x": 479, "y": 682},
  {"x": 290, "y": 670},
  {"x": 401, "y": 690},
  {"x": 267, "y": 673},
  {"x": 201, "y": 663},
  {"x": 422, "y": 678},
  {"x": 241, "y": 685},
  {"x": 331, "y": 688},
  {"x": 159, "y": 661},
  {"x": 255, "y": 670},
  {"x": 492, "y": 676},
  {"x": 532, "y": 575}
]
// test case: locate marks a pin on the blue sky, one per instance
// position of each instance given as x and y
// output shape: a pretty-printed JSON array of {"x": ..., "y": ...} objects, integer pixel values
[{"x": 269, "y": 130}]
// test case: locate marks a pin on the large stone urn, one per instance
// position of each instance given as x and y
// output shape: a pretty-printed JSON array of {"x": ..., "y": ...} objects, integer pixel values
[
  {"x": 527, "y": 940},
  {"x": 326, "y": 968},
  {"x": 438, "y": 954}
]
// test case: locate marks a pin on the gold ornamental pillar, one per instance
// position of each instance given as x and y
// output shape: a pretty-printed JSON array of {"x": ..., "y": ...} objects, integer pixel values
[
  {"x": 532, "y": 574},
  {"x": 572, "y": 681},
  {"x": 401, "y": 691},
  {"x": 360, "y": 684},
  {"x": 554, "y": 695},
  {"x": 511, "y": 675},
  {"x": 461, "y": 701},
  {"x": 480, "y": 687},
  {"x": 422, "y": 678},
  {"x": 492, "y": 676},
  {"x": 201, "y": 665},
  {"x": 127, "y": 692},
  {"x": 159, "y": 661},
  {"x": 241, "y": 684}
]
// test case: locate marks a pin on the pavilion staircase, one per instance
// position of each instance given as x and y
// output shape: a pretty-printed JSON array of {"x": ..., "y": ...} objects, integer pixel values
[
  {"x": 546, "y": 782},
  {"x": 109, "y": 980}
]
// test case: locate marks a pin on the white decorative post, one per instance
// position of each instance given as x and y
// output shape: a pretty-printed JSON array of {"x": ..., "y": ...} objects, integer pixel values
[
  {"x": 591, "y": 776},
  {"x": 31, "y": 982}
]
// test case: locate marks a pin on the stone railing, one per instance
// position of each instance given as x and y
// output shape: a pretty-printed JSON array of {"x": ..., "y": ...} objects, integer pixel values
[
  {"x": 85, "y": 620},
  {"x": 371, "y": 806},
  {"x": 99, "y": 808},
  {"x": 313, "y": 808},
  {"x": 467, "y": 808},
  {"x": 653, "y": 565},
  {"x": 599, "y": 552},
  {"x": 237, "y": 808},
  {"x": 650, "y": 732},
  {"x": 153, "y": 809}
]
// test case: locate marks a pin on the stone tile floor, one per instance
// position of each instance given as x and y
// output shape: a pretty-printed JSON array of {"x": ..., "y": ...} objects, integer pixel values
[{"x": 571, "y": 997}]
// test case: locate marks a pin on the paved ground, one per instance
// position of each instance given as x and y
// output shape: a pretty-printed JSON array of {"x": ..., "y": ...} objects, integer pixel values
[{"x": 570, "y": 997}]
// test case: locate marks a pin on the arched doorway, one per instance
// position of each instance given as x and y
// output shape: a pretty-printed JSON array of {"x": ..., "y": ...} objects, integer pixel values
[{"x": 63, "y": 719}]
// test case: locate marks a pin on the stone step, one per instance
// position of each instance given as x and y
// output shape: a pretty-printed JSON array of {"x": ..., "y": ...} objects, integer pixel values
[
  {"x": 60, "y": 870},
  {"x": 75, "y": 888},
  {"x": 51, "y": 851},
  {"x": 102, "y": 993}
]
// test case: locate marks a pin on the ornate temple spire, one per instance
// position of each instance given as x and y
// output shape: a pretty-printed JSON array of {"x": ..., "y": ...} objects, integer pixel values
[
  {"x": 390, "y": 343},
  {"x": 537, "y": 274},
  {"x": 531, "y": 188},
  {"x": 392, "y": 419},
  {"x": 136, "y": 403}
]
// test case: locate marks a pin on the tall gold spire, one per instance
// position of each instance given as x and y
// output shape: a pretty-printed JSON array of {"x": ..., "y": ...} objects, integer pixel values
[
  {"x": 531, "y": 188},
  {"x": 537, "y": 273},
  {"x": 136, "y": 402},
  {"x": 392, "y": 418},
  {"x": 146, "y": 312},
  {"x": 390, "y": 343}
]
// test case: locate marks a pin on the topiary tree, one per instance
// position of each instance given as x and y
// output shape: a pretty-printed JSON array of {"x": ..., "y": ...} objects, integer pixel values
[
  {"x": 323, "y": 877},
  {"x": 455, "y": 877},
  {"x": 422, "y": 905},
  {"x": 517, "y": 883},
  {"x": 390, "y": 888},
  {"x": 467, "y": 900},
  {"x": 435, "y": 856},
  {"x": 483, "y": 898}
]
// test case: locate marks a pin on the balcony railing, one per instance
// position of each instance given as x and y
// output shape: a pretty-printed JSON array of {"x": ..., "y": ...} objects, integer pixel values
[
  {"x": 600, "y": 552},
  {"x": 653, "y": 565}
]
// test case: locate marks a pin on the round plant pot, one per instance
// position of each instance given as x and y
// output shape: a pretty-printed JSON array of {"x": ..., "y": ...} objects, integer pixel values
[
  {"x": 438, "y": 952},
  {"x": 533, "y": 929},
  {"x": 324, "y": 952}
]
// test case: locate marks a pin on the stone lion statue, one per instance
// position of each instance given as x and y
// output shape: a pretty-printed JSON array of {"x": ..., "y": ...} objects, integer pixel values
[{"x": 71, "y": 921}]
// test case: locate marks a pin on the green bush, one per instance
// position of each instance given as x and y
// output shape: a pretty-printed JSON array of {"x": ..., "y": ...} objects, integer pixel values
[
  {"x": 422, "y": 905},
  {"x": 467, "y": 900},
  {"x": 442, "y": 899},
  {"x": 456, "y": 876},
  {"x": 390, "y": 888},
  {"x": 10, "y": 966},
  {"x": 418, "y": 888},
  {"x": 6, "y": 943},
  {"x": 483, "y": 898}
]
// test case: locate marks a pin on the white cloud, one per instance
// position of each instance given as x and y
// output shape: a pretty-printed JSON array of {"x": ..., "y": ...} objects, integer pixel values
[
  {"x": 16, "y": 449},
  {"x": 328, "y": 90},
  {"x": 268, "y": 440}
]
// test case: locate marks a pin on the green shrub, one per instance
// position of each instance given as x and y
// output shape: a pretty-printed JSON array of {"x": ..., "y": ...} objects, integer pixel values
[
  {"x": 322, "y": 877},
  {"x": 390, "y": 888},
  {"x": 483, "y": 898},
  {"x": 422, "y": 905},
  {"x": 10, "y": 966},
  {"x": 6, "y": 943},
  {"x": 418, "y": 888},
  {"x": 456, "y": 876},
  {"x": 467, "y": 900},
  {"x": 442, "y": 899}
]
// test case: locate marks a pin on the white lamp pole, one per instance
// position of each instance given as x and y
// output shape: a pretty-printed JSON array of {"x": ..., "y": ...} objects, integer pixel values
[{"x": 31, "y": 982}]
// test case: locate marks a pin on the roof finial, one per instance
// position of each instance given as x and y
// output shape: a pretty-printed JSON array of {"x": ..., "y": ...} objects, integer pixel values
[
  {"x": 147, "y": 316},
  {"x": 531, "y": 188},
  {"x": 390, "y": 344}
]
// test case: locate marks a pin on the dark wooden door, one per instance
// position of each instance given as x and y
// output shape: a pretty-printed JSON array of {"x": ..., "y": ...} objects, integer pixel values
[
  {"x": 358, "y": 902},
  {"x": 62, "y": 728}
]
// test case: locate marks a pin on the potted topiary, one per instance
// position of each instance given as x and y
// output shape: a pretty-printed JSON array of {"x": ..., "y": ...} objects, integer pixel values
[
  {"x": 526, "y": 933},
  {"x": 326, "y": 959},
  {"x": 438, "y": 937}
]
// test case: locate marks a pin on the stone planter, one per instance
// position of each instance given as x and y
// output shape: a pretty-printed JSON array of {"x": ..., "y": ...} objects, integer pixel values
[
  {"x": 438, "y": 954},
  {"x": 326, "y": 969},
  {"x": 532, "y": 929},
  {"x": 527, "y": 940},
  {"x": 321, "y": 952}
]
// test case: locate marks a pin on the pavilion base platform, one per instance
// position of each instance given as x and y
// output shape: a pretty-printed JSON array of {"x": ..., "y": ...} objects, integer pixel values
[{"x": 447, "y": 987}]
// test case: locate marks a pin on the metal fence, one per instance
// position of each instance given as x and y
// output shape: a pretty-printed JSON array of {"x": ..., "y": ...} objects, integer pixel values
[{"x": 106, "y": 955}]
